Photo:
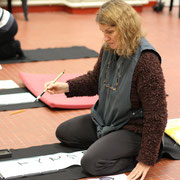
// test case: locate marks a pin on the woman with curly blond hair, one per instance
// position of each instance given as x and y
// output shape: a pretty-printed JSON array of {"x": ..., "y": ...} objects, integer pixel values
[{"x": 124, "y": 130}]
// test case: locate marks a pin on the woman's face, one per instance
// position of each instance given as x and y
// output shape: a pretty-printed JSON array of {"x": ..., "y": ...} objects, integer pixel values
[{"x": 111, "y": 35}]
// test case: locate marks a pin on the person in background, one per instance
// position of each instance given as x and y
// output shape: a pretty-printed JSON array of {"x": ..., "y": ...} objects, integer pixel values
[
  {"x": 125, "y": 128},
  {"x": 9, "y": 47}
]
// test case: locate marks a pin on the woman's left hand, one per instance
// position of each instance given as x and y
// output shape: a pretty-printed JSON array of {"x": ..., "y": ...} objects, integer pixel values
[{"x": 139, "y": 172}]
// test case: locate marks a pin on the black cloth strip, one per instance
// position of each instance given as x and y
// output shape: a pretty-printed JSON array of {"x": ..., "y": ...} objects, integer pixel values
[
  {"x": 19, "y": 106},
  {"x": 14, "y": 90},
  {"x": 74, "y": 52}
]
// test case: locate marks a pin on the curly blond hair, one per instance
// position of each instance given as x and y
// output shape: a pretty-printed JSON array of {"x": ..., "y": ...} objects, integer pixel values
[{"x": 122, "y": 15}]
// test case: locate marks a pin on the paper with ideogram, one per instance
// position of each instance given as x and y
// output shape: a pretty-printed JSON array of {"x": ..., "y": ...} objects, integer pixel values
[
  {"x": 16, "y": 98},
  {"x": 39, "y": 164},
  {"x": 114, "y": 177}
]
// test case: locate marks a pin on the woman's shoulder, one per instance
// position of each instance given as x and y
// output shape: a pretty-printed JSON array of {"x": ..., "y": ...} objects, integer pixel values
[
  {"x": 148, "y": 69},
  {"x": 148, "y": 61}
]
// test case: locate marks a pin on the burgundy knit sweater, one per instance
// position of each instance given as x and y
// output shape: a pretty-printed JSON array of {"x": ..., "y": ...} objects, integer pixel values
[{"x": 147, "y": 91}]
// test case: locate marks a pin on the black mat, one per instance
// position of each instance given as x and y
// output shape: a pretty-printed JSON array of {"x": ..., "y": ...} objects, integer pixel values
[
  {"x": 71, "y": 173},
  {"x": 74, "y": 52},
  {"x": 19, "y": 106},
  {"x": 171, "y": 149}
]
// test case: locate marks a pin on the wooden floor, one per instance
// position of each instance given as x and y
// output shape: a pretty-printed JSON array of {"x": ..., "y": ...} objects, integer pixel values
[{"x": 58, "y": 29}]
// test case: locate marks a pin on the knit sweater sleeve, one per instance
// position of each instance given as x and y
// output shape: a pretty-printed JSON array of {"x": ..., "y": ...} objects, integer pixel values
[
  {"x": 87, "y": 84},
  {"x": 151, "y": 91}
]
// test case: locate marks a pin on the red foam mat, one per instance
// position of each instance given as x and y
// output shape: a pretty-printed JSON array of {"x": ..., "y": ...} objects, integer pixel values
[{"x": 35, "y": 84}]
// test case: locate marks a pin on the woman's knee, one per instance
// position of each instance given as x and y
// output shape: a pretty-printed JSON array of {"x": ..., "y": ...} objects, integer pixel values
[
  {"x": 79, "y": 131},
  {"x": 99, "y": 167},
  {"x": 71, "y": 134},
  {"x": 88, "y": 164},
  {"x": 61, "y": 131}
]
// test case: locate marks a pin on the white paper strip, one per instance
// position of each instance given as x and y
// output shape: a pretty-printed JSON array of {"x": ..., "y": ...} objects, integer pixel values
[
  {"x": 16, "y": 98},
  {"x": 8, "y": 84},
  {"x": 39, "y": 164}
]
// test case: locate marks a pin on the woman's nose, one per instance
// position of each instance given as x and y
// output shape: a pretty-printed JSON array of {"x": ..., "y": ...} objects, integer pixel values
[{"x": 106, "y": 38}]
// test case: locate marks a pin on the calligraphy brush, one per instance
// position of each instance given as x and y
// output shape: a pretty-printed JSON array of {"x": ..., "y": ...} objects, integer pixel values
[{"x": 49, "y": 85}]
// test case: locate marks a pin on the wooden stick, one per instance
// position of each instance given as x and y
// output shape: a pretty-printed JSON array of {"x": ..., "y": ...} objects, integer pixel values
[
  {"x": 49, "y": 85},
  {"x": 18, "y": 111}
]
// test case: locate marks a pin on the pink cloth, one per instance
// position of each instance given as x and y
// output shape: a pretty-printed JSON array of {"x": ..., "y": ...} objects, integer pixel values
[{"x": 35, "y": 84}]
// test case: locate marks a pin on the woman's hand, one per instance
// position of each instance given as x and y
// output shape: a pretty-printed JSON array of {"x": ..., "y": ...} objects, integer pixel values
[
  {"x": 57, "y": 87},
  {"x": 139, "y": 172}
]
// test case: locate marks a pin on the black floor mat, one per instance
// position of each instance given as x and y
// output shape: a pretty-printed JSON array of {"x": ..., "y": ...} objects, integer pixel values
[{"x": 74, "y": 52}]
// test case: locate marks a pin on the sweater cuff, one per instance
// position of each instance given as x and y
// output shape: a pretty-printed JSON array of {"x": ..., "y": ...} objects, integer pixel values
[
  {"x": 68, "y": 94},
  {"x": 148, "y": 158}
]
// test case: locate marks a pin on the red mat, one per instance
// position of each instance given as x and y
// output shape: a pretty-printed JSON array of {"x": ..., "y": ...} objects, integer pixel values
[{"x": 35, "y": 84}]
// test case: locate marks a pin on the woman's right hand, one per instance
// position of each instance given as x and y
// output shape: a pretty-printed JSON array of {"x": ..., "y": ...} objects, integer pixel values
[{"x": 57, "y": 87}]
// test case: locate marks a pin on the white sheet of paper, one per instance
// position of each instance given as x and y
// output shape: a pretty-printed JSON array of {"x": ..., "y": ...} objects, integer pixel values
[
  {"x": 15, "y": 171},
  {"x": 16, "y": 98},
  {"x": 39, "y": 164},
  {"x": 0, "y": 67},
  {"x": 8, "y": 84},
  {"x": 113, "y": 177}
]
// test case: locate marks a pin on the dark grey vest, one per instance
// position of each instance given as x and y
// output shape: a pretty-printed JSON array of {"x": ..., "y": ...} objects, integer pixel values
[{"x": 113, "y": 109}]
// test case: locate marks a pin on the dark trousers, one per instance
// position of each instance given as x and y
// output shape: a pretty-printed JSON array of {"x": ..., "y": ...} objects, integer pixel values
[{"x": 113, "y": 153}]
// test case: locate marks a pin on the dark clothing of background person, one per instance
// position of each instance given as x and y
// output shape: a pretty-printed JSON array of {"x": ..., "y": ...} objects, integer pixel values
[{"x": 9, "y": 47}]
